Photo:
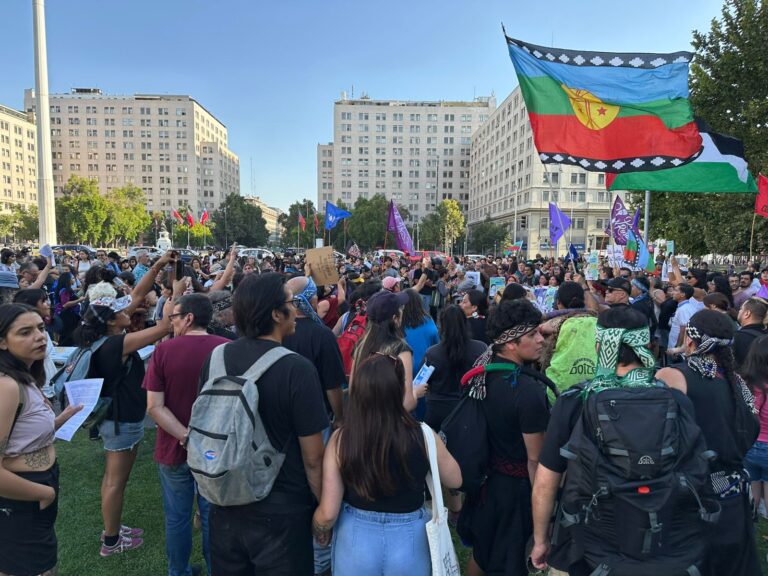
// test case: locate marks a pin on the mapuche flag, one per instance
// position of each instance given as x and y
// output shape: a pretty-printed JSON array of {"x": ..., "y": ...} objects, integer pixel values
[
  {"x": 605, "y": 111},
  {"x": 720, "y": 167}
]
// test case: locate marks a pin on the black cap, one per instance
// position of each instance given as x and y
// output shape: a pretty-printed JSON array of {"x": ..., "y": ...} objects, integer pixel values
[
  {"x": 618, "y": 284},
  {"x": 385, "y": 304}
]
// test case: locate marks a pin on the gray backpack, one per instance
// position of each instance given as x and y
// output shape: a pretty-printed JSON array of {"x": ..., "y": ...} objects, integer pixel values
[{"x": 228, "y": 450}]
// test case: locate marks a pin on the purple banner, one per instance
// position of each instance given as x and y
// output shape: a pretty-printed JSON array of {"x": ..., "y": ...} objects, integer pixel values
[
  {"x": 558, "y": 224},
  {"x": 395, "y": 224},
  {"x": 621, "y": 222}
]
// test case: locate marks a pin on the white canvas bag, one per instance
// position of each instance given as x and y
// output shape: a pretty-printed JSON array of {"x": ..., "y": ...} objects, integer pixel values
[{"x": 444, "y": 561}]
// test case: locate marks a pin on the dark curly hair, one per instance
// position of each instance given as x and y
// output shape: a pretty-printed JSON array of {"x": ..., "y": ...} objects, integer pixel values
[{"x": 509, "y": 314}]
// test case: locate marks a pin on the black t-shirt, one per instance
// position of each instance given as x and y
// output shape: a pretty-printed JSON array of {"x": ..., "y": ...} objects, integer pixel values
[
  {"x": 666, "y": 312},
  {"x": 130, "y": 402},
  {"x": 445, "y": 381},
  {"x": 477, "y": 329},
  {"x": 645, "y": 307},
  {"x": 290, "y": 405},
  {"x": 742, "y": 340},
  {"x": 409, "y": 494},
  {"x": 431, "y": 275},
  {"x": 317, "y": 344},
  {"x": 513, "y": 408}
]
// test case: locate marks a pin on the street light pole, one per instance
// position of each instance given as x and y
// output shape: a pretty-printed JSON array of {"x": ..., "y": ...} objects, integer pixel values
[{"x": 45, "y": 203}]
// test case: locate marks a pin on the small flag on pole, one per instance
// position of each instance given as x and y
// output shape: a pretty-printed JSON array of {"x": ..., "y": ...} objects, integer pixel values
[
  {"x": 317, "y": 224},
  {"x": 204, "y": 217},
  {"x": 334, "y": 214},
  {"x": 558, "y": 223},
  {"x": 175, "y": 214},
  {"x": 395, "y": 224},
  {"x": 190, "y": 218},
  {"x": 302, "y": 222},
  {"x": 761, "y": 202},
  {"x": 354, "y": 250}
]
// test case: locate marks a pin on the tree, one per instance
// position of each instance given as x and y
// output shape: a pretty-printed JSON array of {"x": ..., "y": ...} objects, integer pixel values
[
  {"x": 81, "y": 212},
  {"x": 289, "y": 222},
  {"x": 368, "y": 224},
  {"x": 238, "y": 221},
  {"x": 485, "y": 236},
  {"x": 199, "y": 235},
  {"x": 453, "y": 222},
  {"x": 25, "y": 222},
  {"x": 127, "y": 215},
  {"x": 729, "y": 92},
  {"x": 6, "y": 226}
]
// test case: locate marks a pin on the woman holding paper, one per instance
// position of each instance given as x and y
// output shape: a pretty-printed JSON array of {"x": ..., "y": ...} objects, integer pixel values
[{"x": 29, "y": 473}]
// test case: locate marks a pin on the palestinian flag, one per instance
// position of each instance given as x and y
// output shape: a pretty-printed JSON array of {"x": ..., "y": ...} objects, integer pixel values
[
  {"x": 720, "y": 167},
  {"x": 605, "y": 111},
  {"x": 631, "y": 249}
]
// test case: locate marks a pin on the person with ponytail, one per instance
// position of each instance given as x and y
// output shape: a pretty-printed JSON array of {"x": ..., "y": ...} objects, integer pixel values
[
  {"x": 29, "y": 471},
  {"x": 724, "y": 409}
]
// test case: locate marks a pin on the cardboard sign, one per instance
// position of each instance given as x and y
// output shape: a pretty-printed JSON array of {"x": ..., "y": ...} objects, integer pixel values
[
  {"x": 323, "y": 265},
  {"x": 496, "y": 283}
]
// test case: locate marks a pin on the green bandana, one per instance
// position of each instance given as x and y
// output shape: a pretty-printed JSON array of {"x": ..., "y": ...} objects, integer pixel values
[{"x": 609, "y": 340}]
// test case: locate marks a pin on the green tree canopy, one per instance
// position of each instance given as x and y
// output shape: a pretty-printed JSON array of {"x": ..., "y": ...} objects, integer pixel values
[
  {"x": 81, "y": 213},
  {"x": 289, "y": 223},
  {"x": 239, "y": 221},
  {"x": 728, "y": 90},
  {"x": 368, "y": 224},
  {"x": 484, "y": 236}
]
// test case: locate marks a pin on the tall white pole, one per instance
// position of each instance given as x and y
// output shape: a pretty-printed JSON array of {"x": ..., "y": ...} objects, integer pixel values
[{"x": 45, "y": 201}]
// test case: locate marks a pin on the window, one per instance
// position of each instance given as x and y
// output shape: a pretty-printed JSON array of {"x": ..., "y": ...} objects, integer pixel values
[
  {"x": 578, "y": 223},
  {"x": 601, "y": 178},
  {"x": 553, "y": 177},
  {"x": 579, "y": 178},
  {"x": 544, "y": 223}
]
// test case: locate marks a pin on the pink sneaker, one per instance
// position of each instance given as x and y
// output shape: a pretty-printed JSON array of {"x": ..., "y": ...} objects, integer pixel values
[
  {"x": 123, "y": 544},
  {"x": 126, "y": 531}
]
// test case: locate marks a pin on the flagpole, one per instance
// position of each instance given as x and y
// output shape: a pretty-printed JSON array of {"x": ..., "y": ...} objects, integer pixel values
[
  {"x": 646, "y": 224},
  {"x": 752, "y": 236}
]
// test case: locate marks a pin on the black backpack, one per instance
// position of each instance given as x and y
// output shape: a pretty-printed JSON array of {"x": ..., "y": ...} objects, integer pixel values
[
  {"x": 638, "y": 473},
  {"x": 465, "y": 434}
]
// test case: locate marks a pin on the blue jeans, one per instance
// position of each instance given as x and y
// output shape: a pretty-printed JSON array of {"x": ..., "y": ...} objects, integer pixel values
[
  {"x": 322, "y": 555},
  {"x": 179, "y": 493},
  {"x": 380, "y": 543}
]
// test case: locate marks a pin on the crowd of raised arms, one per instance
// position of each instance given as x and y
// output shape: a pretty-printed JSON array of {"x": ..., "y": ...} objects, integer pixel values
[{"x": 608, "y": 427}]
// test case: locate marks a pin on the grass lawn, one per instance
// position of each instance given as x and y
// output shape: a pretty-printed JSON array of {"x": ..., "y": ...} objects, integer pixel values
[{"x": 79, "y": 523}]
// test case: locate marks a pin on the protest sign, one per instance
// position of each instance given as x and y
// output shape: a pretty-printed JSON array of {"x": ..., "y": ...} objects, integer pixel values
[
  {"x": 496, "y": 283},
  {"x": 593, "y": 266},
  {"x": 475, "y": 277},
  {"x": 322, "y": 266}
]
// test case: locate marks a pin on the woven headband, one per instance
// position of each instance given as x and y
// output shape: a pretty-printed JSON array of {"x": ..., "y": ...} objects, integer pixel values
[
  {"x": 511, "y": 334},
  {"x": 222, "y": 304}
]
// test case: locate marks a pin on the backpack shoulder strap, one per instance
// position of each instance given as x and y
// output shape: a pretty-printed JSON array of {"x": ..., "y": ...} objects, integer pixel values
[
  {"x": 19, "y": 408},
  {"x": 265, "y": 363},
  {"x": 216, "y": 366},
  {"x": 536, "y": 375}
]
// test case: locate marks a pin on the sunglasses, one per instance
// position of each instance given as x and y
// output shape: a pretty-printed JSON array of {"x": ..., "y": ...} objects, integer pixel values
[
  {"x": 295, "y": 301},
  {"x": 176, "y": 315}
]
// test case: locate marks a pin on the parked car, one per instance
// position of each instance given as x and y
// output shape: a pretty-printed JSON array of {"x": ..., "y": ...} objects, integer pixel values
[
  {"x": 74, "y": 249},
  {"x": 187, "y": 254},
  {"x": 258, "y": 253},
  {"x": 153, "y": 251},
  {"x": 419, "y": 254},
  {"x": 382, "y": 253}
]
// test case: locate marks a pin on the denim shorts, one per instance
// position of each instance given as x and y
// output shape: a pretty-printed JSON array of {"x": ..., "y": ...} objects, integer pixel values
[
  {"x": 380, "y": 543},
  {"x": 130, "y": 434},
  {"x": 756, "y": 462}
]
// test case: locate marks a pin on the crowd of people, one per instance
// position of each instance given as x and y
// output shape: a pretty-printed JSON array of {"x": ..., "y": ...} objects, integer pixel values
[{"x": 559, "y": 368}]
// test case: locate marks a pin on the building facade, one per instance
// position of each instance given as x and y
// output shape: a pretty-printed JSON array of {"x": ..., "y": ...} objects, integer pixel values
[
  {"x": 271, "y": 216},
  {"x": 509, "y": 185},
  {"x": 414, "y": 152},
  {"x": 169, "y": 146},
  {"x": 18, "y": 160}
]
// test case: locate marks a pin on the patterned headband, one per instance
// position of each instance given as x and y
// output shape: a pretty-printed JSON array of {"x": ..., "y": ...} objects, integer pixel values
[
  {"x": 512, "y": 334},
  {"x": 222, "y": 304}
]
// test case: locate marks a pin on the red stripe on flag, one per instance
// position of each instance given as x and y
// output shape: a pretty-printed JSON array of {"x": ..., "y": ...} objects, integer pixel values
[
  {"x": 761, "y": 202},
  {"x": 634, "y": 136}
]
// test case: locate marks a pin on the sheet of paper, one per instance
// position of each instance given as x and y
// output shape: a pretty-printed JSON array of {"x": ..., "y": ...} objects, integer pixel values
[
  {"x": 423, "y": 376},
  {"x": 47, "y": 252},
  {"x": 85, "y": 392},
  {"x": 146, "y": 352}
]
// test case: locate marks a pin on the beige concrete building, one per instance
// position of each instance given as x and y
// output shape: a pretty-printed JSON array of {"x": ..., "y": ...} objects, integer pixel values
[
  {"x": 271, "y": 215},
  {"x": 415, "y": 152},
  {"x": 18, "y": 160},
  {"x": 509, "y": 184},
  {"x": 170, "y": 146}
]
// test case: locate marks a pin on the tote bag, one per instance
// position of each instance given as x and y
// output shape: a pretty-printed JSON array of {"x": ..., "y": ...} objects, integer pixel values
[{"x": 444, "y": 561}]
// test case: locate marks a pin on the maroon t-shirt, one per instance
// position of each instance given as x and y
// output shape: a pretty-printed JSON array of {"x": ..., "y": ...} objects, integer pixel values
[{"x": 175, "y": 370}]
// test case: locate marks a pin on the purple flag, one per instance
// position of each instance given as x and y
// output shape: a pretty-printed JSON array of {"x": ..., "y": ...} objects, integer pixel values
[
  {"x": 558, "y": 223},
  {"x": 620, "y": 222},
  {"x": 395, "y": 224},
  {"x": 636, "y": 223}
]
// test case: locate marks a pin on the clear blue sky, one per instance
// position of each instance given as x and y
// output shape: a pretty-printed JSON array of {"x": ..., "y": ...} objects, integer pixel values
[{"x": 270, "y": 71}]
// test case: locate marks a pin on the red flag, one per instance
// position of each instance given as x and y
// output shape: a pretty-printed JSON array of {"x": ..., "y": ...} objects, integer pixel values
[
  {"x": 317, "y": 224},
  {"x": 761, "y": 202},
  {"x": 302, "y": 222},
  {"x": 176, "y": 215},
  {"x": 204, "y": 217},
  {"x": 190, "y": 218}
]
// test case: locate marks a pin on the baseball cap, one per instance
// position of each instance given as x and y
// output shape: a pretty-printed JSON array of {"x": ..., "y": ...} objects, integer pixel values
[
  {"x": 618, "y": 284},
  {"x": 383, "y": 305},
  {"x": 389, "y": 282}
]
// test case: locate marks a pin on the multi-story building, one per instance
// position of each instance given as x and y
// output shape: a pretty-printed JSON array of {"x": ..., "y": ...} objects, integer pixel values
[
  {"x": 169, "y": 146},
  {"x": 414, "y": 152},
  {"x": 510, "y": 185},
  {"x": 271, "y": 216},
  {"x": 18, "y": 160}
]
